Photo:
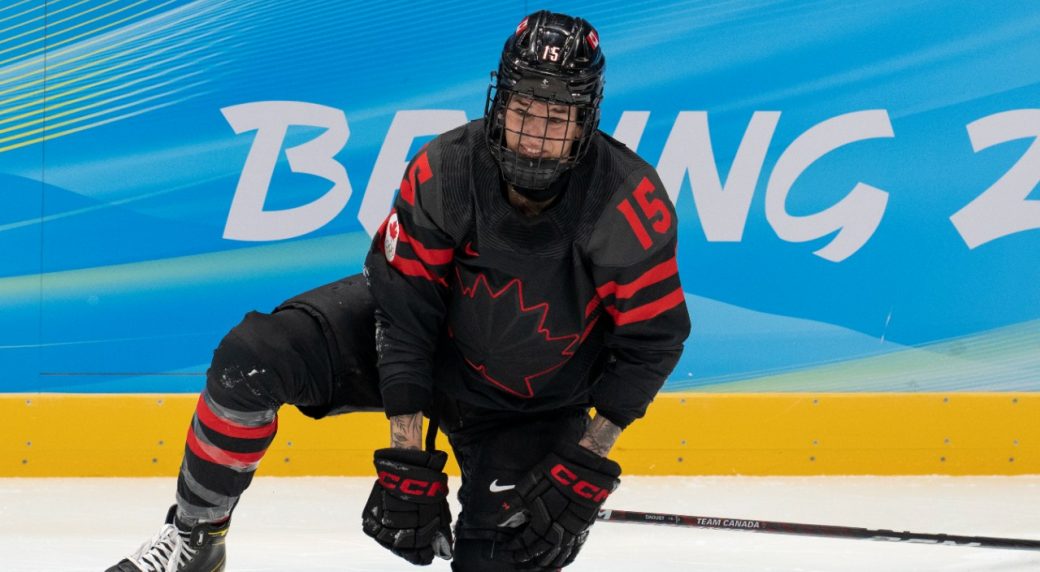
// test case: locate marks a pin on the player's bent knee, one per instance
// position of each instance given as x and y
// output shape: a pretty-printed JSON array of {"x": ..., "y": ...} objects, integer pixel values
[{"x": 263, "y": 358}]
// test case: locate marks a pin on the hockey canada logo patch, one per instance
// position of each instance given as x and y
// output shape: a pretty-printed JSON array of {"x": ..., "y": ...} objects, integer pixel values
[{"x": 393, "y": 232}]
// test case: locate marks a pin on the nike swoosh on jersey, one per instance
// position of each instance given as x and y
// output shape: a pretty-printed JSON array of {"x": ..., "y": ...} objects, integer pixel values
[{"x": 497, "y": 488}]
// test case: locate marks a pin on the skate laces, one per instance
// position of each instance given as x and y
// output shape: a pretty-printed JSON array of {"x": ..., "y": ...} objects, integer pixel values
[{"x": 167, "y": 551}]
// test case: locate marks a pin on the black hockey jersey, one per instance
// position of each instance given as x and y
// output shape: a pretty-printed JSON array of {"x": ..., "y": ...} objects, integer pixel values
[{"x": 580, "y": 304}]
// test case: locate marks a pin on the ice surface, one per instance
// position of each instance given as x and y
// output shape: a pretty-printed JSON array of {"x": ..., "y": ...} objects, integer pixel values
[{"x": 313, "y": 524}]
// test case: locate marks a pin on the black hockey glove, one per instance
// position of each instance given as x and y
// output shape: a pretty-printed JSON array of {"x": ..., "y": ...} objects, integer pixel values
[
  {"x": 556, "y": 503},
  {"x": 407, "y": 512}
]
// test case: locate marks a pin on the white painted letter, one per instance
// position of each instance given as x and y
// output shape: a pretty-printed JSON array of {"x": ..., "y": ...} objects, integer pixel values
[
  {"x": 247, "y": 219},
  {"x": 393, "y": 159},
  {"x": 630, "y": 128},
  {"x": 723, "y": 209},
  {"x": 856, "y": 216},
  {"x": 1003, "y": 208}
]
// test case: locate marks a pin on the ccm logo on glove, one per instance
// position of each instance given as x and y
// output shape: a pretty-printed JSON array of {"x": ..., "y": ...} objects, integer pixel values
[
  {"x": 582, "y": 488},
  {"x": 413, "y": 487}
]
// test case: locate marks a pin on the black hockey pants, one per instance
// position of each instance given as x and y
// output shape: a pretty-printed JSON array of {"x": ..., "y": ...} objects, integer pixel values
[{"x": 317, "y": 352}]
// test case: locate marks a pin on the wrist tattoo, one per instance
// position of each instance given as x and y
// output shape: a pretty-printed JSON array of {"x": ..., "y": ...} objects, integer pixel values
[
  {"x": 600, "y": 436},
  {"x": 406, "y": 431}
]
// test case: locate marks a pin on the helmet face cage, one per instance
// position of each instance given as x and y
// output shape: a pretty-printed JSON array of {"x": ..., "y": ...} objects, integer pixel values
[
  {"x": 542, "y": 106},
  {"x": 536, "y": 139}
]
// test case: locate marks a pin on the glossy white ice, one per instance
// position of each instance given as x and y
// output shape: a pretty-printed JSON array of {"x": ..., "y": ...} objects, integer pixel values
[{"x": 312, "y": 524}]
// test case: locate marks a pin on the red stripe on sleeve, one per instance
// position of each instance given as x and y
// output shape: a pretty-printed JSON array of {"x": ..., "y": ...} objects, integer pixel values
[
  {"x": 229, "y": 428},
  {"x": 646, "y": 311},
  {"x": 219, "y": 456},
  {"x": 410, "y": 267},
  {"x": 431, "y": 256},
  {"x": 664, "y": 270}
]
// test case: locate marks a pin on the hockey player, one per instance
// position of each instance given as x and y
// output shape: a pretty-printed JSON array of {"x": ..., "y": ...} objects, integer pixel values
[{"x": 525, "y": 274}]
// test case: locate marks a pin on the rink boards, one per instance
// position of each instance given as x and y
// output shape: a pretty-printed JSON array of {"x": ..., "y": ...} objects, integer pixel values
[
  {"x": 856, "y": 194},
  {"x": 683, "y": 434}
]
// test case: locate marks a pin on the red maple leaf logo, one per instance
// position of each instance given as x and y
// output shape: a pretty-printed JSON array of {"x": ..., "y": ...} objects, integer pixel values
[{"x": 506, "y": 338}]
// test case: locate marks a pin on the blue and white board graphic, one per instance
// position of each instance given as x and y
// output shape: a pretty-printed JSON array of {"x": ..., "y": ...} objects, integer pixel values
[{"x": 855, "y": 180}]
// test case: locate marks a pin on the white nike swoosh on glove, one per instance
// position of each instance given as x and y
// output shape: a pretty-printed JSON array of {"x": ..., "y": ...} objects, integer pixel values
[{"x": 497, "y": 488}]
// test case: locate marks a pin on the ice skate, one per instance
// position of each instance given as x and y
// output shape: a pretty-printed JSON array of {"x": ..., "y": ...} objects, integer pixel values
[{"x": 177, "y": 549}]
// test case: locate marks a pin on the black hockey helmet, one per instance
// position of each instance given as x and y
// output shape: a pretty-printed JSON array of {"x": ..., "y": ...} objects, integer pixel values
[{"x": 554, "y": 59}]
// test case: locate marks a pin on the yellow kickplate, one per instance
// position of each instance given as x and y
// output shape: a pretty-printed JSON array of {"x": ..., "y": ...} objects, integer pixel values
[{"x": 682, "y": 434}]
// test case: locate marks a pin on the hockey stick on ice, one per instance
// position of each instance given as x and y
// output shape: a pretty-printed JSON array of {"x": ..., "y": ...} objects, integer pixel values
[{"x": 813, "y": 529}]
